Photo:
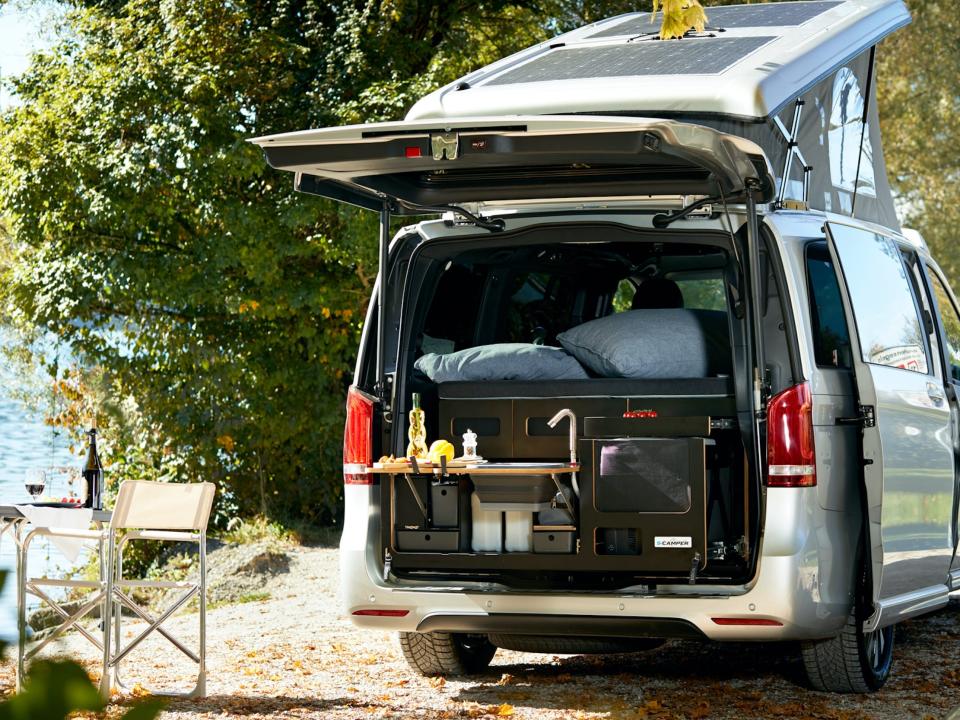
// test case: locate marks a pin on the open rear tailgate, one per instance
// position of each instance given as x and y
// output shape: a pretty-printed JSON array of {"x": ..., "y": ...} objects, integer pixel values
[{"x": 432, "y": 163}]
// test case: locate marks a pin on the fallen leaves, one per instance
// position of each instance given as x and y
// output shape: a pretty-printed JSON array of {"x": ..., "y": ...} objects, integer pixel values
[
  {"x": 476, "y": 710},
  {"x": 259, "y": 670}
]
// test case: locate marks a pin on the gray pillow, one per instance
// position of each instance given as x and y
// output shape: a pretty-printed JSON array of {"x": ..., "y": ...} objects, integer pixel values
[
  {"x": 503, "y": 361},
  {"x": 661, "y": 343}
]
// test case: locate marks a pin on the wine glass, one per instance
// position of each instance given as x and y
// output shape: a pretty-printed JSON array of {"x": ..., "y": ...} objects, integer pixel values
[{"x": 35, "y": 481}]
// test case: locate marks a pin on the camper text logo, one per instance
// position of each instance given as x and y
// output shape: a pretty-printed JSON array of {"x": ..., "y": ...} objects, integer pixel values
[{"x": 672, "y": 541}]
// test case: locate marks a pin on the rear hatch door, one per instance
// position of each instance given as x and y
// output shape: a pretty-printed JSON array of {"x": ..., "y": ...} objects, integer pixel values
[{"x": 432, "y": 164}]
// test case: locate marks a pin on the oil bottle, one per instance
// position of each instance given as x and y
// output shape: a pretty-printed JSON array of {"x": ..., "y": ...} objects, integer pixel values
[{"x": 418, "y": 431}]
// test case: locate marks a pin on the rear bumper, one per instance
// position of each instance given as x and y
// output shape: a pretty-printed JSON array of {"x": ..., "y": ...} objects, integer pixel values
[
  {"x": 785, "y": 602},
  {"x": 565, "y": 625}
]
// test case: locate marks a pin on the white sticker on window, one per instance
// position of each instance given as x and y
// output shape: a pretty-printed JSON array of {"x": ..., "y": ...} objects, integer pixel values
[{"x": 672, "y": 541}]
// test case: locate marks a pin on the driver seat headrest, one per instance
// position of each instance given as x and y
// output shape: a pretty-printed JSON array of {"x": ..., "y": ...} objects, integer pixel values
[{"x": 657, "y": 293}]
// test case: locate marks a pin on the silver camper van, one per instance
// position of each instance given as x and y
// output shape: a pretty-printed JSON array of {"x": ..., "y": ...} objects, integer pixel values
[{"x": 698, "y": 381}]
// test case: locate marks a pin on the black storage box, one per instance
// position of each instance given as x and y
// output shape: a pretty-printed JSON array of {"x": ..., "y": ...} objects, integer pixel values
[
  {"x": 444, "y": 504},
  {"x": 658, "y": 427},
  {"x": 553, "y": 541},
  {"x": 428, "y": 540}
]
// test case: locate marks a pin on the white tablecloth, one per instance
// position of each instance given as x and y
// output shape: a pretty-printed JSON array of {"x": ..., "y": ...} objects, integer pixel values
[{"x": 67, "y": 518}]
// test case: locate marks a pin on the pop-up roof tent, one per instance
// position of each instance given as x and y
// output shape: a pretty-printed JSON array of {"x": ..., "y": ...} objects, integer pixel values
[{"x": 796, "y": 78}]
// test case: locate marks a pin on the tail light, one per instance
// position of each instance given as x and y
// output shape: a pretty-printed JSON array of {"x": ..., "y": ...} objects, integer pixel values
[
  {"x": 791, "y": 458},
  {"x": 748, "y": 622},
  {"x": 381, "y": 613},
  {"x": 358, "y": 438}
]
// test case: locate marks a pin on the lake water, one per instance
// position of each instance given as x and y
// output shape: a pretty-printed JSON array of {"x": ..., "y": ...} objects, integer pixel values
[{"x": 25, "y": 442}]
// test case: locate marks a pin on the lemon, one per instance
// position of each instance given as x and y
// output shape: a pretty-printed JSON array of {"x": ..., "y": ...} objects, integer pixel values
[{"x": 440, "y": 448}]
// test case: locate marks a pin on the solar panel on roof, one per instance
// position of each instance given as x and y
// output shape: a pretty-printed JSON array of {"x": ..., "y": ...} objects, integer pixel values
[
  {"x": 701, "y": 56},
  {"x": 777, "y": 14}
]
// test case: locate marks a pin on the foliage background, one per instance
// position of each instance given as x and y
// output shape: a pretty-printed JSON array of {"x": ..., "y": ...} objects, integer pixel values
[{"x": 159, "y": 274}]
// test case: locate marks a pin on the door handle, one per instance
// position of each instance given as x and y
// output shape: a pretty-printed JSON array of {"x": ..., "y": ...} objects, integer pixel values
[{"x": 935, "y": 393}]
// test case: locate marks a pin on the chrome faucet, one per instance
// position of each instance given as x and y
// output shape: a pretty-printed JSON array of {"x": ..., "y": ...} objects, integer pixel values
[{"x": 568, "y": 413}]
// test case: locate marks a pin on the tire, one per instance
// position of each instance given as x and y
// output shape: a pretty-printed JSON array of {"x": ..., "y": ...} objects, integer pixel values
[
  {"x": 440, "y": 653},
  {"x": 852, "y": 661}
]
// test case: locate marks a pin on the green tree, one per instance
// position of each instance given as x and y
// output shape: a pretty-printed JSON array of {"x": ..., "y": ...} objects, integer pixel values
[
  {"x": 918, "y": 75},
  {"x": 210, "y": 314}
]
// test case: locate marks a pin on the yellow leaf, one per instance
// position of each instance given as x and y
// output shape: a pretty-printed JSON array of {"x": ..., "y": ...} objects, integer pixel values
[
  {"x": 679, "y": 16},
  {"x": 505, "y": 710},
  {"x": 226, "y": 442}
]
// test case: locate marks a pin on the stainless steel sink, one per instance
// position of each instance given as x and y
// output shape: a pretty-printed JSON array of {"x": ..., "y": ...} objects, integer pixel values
[{"x": 521, "y": 465}]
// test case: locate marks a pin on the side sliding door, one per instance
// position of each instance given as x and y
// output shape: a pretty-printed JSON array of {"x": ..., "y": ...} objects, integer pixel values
[
  {"x": 948, "y": 317},
  {"x": 908, "y": 460}
]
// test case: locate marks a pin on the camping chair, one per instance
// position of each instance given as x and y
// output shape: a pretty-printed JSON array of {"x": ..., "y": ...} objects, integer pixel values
[
  {"x": 168, "y": 512},
  {"x": 40, "y": 587}
]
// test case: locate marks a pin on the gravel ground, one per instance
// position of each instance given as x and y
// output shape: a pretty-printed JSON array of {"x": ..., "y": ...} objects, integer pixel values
[{"x": 293, "y": 656}]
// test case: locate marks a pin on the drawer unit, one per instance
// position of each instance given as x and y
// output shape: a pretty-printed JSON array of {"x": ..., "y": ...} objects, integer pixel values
[
  {"x": 550, "y": 540},
  {"x": 428, "y": 540}
]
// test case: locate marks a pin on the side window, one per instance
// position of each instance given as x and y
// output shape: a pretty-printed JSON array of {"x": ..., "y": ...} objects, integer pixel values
[
  {"x": 951, "y": 323},
  {"x": 884, "y": 306},
  {"x": 702, "y": 293},
  {"x": 831, "y": 338}
]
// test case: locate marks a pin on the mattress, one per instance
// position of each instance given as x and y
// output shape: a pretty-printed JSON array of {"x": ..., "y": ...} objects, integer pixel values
[{"x": 591, "y": 388}]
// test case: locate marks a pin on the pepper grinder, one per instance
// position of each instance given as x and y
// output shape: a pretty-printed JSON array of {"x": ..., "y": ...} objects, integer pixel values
[{"x": 470, "y": 446}]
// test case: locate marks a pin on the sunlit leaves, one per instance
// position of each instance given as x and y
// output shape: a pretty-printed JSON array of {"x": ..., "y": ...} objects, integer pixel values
[{"x": 918, "y": 75}]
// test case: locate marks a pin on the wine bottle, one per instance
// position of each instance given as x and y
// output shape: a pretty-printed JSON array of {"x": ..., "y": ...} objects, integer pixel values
[
  {"x": 93, "y": 474},
  {"x": 418, "y": 431}
]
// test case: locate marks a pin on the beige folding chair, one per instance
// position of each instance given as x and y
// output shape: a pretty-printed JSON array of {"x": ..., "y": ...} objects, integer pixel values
[{"x": 168, "y": 512}]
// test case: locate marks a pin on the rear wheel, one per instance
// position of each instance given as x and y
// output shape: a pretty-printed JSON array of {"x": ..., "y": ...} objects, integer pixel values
[
  {"x": 439, "y": 653},
  {"x": 852, "y": 662}
]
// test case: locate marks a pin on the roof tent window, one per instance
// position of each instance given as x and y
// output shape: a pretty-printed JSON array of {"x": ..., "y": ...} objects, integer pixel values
[
  {"x": 782, "y": 14},
  {"x": 849, "y": 137},
  {"x": 701, "y": 56}
]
